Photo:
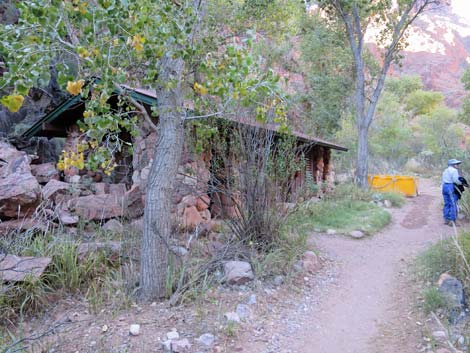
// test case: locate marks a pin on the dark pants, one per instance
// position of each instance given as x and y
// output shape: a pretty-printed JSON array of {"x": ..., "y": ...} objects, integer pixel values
[{"x": 450, "y": 202}]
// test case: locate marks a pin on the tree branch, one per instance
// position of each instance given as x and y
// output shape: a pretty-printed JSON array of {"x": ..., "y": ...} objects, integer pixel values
[{"x": 140, "y": 107}]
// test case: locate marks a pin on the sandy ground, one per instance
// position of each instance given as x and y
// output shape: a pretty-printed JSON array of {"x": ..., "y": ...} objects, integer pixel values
[{"x": 369, "y": 306}]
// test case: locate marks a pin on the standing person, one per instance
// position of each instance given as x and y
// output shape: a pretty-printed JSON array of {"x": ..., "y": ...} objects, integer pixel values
[{"x": 449, "y": 178}]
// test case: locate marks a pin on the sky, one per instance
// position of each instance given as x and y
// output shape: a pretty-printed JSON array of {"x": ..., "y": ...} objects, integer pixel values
[{"x": 462, "y": 8}]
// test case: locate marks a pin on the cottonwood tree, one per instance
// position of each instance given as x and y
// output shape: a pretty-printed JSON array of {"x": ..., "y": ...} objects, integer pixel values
[
  {"x": 164, "y": 45},
  {"x": 465, "y": 110},
  {"x": 394, "y": 19}
]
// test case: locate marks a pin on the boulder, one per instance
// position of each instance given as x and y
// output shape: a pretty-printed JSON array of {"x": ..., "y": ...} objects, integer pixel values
[
  {"x": 238, "y": 272},
  {"x": 54, "y": 189},
  {"x": 243, "y": 311},
  {"x": 137, "y": 225},
  {"x": 13, "y": 225},
  {"x": 189, "y": 201},
  {"x": 100, "y": 188},
  {"x": 66, "y": 218},
  {"x": 177, "y": 346},
  {"x": 205, "y": 215},
  {"x": 134, "y": 200},
  {"x": 452, "y": 289},
  {"x": 357, "y": 234},
  {"x": 179, "y": 250},
  {"x": 191, "y": 218},
  {"x": 310, "y": 262},
  {"x": 44, "y": 172},
  {"x": 134, "y": 329},
  {"x": 173, "y": 335},
  {"x": 97, "y": 207},
  {"x": 117, "y": 189},
  {"x": 207, "y": 339},
  {"x": 442, "y": 278},
  {"x": 16, "y": 269},
  {"x": 113, "y": 225},
  {"x": 111, "y": 248},
  {"x": 202, "y": 203},
  {"x": 19, "y": 190}
]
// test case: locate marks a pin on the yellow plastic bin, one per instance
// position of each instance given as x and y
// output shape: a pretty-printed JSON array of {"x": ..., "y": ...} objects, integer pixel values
[{"x": 406, "y": 185}]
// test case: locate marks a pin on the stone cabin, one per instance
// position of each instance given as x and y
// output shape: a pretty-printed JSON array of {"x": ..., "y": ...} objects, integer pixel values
[{"x": 121, "y": 194}]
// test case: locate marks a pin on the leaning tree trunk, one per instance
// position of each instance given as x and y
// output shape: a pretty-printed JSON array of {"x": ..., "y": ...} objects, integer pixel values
[{"x": 157, "y": 216}]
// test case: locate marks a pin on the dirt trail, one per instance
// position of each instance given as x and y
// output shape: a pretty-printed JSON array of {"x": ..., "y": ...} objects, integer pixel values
[{"x": 367, "y": 309}]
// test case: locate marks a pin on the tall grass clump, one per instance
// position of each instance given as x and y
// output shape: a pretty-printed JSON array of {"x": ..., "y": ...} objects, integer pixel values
[
  {"x": 68, "y": 273},
  {"x": 449, "y": 255}
]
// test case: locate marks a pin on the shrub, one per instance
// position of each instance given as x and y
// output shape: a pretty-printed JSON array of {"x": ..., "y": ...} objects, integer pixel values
[
  {"x": 450, "y": 255},
  {"x": 433, "y": 300},
  {"x": 66, "y": 274}
]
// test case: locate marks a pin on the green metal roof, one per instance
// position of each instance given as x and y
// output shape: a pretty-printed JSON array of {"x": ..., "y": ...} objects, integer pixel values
[
  {"x": 72, "y": 102},
  {"x": 37, "y": 127}
]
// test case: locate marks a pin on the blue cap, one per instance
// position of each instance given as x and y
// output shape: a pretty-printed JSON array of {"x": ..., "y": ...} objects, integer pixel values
[{"x": 453, "y": 161}]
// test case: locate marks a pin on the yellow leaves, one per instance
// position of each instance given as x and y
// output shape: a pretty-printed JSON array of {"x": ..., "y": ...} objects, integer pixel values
[
  {"x": 81, "y": 147},
  {"x": 108, "y": 167},
  {"x": 87, "y": 114},
  {"x": 200, "y": 89},
  {"x": 137, "y": 42},
  {"x": 69, "y": 159},
  {"x": 109, "y": 170},
  {"x": 75, "y": 87},
  {"x": 80, "y": 6},
  {"x": 84, "y": 53},
  {"x": 13, "y": 102}
]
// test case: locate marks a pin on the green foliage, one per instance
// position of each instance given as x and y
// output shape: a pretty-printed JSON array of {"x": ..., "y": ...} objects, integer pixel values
[
  {"x": 433, "y": 300},
  {"x": 276, "y": 19},
  {"x": 125, "y": 43},
  {"x": 288, "y": 249},
  {"x": 327, "y": 64},
  {"x": 450, "y": 255},
  {"x": 67, "y": 274},
  {"x": 464, "y": 114},
  {"x": 347, "y": 209},
  {"x": 440, "y": 133},
  {"x": 422, "y": 102},
  {"x": 466, "y": 79},
  {"x": 397, "y": 199},
  {"x": 403, "y": 86},
  {"x": 346, "y": 216},
  {"x": 397, "y": 136},
  {"x": 390, "y": 135},
  {"x": 351, "y": 192}
]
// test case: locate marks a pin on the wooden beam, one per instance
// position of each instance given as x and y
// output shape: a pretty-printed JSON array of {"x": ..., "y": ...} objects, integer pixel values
[{"x": 53, "y": 131}]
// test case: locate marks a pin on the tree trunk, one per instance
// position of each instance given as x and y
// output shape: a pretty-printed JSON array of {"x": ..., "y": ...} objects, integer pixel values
[
  {"x": 362, "y": 164},
  {"x": 157, "y": 214}
]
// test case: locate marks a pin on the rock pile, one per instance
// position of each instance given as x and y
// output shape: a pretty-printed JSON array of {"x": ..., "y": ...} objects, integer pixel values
[{"x": 25, "y": 185}]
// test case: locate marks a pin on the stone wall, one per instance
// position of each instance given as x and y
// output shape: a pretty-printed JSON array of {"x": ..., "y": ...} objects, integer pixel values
[{"x": 190, "y": 200}]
